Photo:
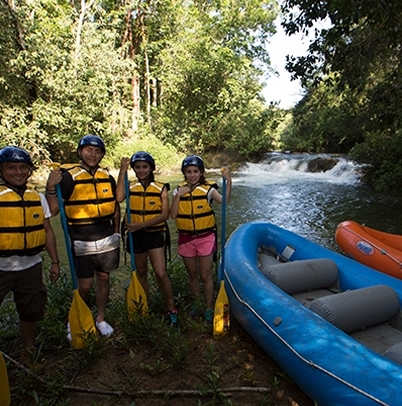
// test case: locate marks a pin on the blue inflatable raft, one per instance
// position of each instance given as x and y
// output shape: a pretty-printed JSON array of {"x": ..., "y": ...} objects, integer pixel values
[{"x": 332, "y": 324}]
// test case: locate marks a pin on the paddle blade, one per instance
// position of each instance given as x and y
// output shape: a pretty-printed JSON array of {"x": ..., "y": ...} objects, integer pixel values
[
  {"x": 81, "y": 321},
  {"x": 5, "y": 398},
  {"x": 221, "y": 312},
  {"x": 136, "y": 298}
]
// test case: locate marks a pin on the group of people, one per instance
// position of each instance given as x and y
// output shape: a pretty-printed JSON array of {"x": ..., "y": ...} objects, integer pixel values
[{"x": 91, "y": 198}]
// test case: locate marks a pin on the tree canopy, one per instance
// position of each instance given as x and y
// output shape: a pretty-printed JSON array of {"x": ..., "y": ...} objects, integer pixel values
[
  {"x": 352, "y": 76},
  {"x": 187, "y": 77},
  {"x": 186, "y": 73}
]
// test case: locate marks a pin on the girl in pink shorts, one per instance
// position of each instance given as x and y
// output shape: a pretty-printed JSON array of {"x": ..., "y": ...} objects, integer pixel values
[{"x": 195, "y": 221}]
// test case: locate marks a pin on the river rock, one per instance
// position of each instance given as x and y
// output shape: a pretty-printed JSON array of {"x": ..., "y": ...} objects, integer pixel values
[{"x": 320, "y": 164}]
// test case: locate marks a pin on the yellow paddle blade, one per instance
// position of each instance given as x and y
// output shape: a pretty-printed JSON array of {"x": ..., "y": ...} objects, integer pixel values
[
  {"x": 5, "y": 398},
  {"x": 53, "y": 165},
  {"x": 136, "y": 298},
  {"x": 81, "y": 321},
  {"x": 221, "y": 313}
]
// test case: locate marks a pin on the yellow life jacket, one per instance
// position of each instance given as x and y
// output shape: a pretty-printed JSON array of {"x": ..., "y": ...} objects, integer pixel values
[
  {"x": 22, "y": 220},
  {"x": 92, "y": 200},
  {"x": 146, "y": 204},
  {"x": 195, "y": 214}
]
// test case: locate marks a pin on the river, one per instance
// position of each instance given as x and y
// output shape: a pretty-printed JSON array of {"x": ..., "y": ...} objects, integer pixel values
[{"x": 280, "y": 190}]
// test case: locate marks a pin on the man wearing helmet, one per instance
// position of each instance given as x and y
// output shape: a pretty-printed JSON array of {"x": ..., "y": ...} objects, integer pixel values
[
  {"x": 149, "y": 210},
  {"x": 25, "y": 230},
  {"x": 93, "y": 216},
  {"x": 195, "y": 221}
]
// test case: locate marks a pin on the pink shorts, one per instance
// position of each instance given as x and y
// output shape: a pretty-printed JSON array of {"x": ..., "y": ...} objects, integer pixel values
[{"x": 198, "y": 247}]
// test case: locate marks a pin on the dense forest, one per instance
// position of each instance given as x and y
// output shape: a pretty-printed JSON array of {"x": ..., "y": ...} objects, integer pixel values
[{"x": 176, "y": 77}]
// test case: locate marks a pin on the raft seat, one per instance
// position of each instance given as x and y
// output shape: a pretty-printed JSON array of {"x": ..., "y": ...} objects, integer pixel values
[
  {"x": 298, "y": 276},
  {"x": 356, "y": 309},
  {"x": 394, "y": 353}
]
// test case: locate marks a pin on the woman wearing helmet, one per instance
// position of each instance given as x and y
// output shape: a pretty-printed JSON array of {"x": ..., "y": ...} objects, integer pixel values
[
  {"x": 25, "y": 232},
  {"x": 93, "y": 217},
  {"x": 149, "y": 210},
  {"x": 195, "y": 221}
]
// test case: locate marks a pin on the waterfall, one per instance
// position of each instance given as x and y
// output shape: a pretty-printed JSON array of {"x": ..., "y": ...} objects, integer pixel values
[{"x": 317, "y": 167}]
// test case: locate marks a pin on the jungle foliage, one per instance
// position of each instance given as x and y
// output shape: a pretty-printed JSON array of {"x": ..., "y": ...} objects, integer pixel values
[
  {"x": 353, "y": 81},
  {"x": 186, "y": 75}
]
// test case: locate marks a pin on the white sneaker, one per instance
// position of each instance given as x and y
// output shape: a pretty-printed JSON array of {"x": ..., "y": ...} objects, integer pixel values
[
  {"x": 69, "y": 338},
  {"x": 104, "y": 328}
]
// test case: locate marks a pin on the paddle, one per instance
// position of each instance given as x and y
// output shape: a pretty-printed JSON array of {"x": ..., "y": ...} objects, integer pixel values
[
  {"x": 136, "y": 296},
  {"x": 5, "y": 398},
  {"x": 79, "y": 317},
  {"x": 221, "y": 311}
]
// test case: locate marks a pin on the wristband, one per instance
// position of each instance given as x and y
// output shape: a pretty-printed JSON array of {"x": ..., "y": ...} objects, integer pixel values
[{"x": 56, "y": 262}]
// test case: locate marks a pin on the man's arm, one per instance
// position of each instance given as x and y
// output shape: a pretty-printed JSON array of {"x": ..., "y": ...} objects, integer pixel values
[
  {"x": 51, "y": 248},
  {"x": 54, "y": 178}
]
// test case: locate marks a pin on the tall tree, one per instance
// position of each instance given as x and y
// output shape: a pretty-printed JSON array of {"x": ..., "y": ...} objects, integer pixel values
[
  {"x": 210, "y": 71},
  {"x": 189, "y": 72}
]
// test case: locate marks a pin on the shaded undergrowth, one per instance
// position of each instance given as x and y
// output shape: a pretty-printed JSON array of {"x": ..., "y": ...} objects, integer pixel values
[{"x": 139, "y": 355}]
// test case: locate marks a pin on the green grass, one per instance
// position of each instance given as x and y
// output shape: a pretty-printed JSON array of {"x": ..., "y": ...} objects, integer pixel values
[
  {"x": 51, "y": 334},
  {"x": 169, "y": 350}
]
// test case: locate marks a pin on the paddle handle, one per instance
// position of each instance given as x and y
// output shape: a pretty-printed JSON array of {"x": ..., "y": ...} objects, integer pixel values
[
  {"x": 66, "y": 236},
  {"x": 130, "y": 236}
]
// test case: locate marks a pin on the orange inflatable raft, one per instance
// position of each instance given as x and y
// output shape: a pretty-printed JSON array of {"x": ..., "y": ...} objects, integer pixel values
[{"x": 376, "y": 249}]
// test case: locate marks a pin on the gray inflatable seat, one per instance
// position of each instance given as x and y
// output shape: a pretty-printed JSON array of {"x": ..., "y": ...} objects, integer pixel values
[
  {"x": 298, "y": 276},
  {"x": 359, "y": 308},
  {"x": 266, "y": 260},
  {"x": 394, "y": 353}
]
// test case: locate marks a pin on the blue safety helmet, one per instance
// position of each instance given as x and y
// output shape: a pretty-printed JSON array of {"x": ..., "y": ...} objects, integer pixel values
[
  {"x": 91, "y": 140},
  {"x": 193, "y": 160},
  {"x": 142, "y": 156},
  {"x": 14, "y": 154}
]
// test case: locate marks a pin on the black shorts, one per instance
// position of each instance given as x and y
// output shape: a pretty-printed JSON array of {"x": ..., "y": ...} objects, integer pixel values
[
  {"x": 146, "y": 240},
  {"x": 29, "y": 292},
  {"x": 86, "y": 265}
]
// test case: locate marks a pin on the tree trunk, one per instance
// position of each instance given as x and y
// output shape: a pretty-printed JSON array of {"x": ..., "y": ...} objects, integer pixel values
[
  {"x": 135, "y": 88},
  {"x": 147, "y": 87},
  {"x": 83, "y": 11},
  {"x": 154, "y": 92}
]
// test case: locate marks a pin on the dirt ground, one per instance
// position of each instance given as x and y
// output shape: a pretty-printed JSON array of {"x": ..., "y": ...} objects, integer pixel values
[{"x": 233, "y": 368}]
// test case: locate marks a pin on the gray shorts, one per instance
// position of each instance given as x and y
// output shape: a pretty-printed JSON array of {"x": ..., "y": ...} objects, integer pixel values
[{"x": 86, "y": 265}]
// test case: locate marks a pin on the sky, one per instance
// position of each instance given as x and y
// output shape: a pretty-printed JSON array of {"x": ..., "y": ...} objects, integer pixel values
[{"x": 280, "y": 88}]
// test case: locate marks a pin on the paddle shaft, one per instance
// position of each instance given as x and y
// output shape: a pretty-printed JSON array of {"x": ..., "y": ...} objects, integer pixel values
[
  {"x": 223, "y": 228},
  {"x": 66, "y": 236},
  {"x": 221, "y": 310},
  {"x": 130, "y": 236}
]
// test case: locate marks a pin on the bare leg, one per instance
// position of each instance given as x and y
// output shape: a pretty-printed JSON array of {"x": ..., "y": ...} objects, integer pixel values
[
  {"x": 141, "y": 266},
  {"x": 102, "y": 294},
  {"x": 191, "y": 265},
  {"x": 205, "y": 264},
  {"x": 84, "y": 286},
  {"x": 28, "y": 331},
  {"x": 158, "y": 261},
  {"x": 28, "y": 354}
]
